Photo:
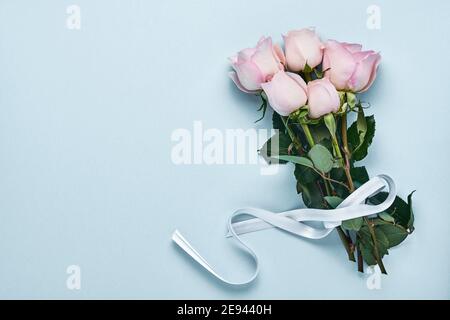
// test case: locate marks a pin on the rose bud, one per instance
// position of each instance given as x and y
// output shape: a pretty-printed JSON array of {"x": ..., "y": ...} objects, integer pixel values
[
  {"x": 254, "y": 66},
  {"x": 287, "y": 92},
  {"x": 303, "y": 47},
  {"x": 323, "y": 98},
  {"x": 349, "y": 67}
]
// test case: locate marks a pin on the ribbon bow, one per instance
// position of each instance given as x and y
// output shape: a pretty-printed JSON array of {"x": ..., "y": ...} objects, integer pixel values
[{"x": 354, "y": 206}]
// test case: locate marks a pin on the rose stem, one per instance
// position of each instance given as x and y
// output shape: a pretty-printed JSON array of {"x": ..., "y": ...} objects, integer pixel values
[
  {"x": 294, "y": 139},
  {"x": 346, "y": 241},
  {"x": 308, "y": 135},
  {"x": 360, "y": 261},
  {"x": 375, "y": 247},
  {"x": 347, "y": 153},
  {"x": 352, "y": 188}
]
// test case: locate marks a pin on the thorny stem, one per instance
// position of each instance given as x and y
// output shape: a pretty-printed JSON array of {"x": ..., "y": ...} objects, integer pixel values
[
  {"x": 347, "y": 244},
  {"x": 352, "y": 188},
  {"x": 337, "y": 150},
  {"x": 346, "y": 153},
  {"x": 324, "y": 177},
  {"x": 360, "y": 261},
  {"x": 375, "y": 247},
  {"x": 308, "y": 134},
  {"x": 293, "y": 137},
  {"x": 327, "y": 185},
  {"x": 346, "y": 241}
]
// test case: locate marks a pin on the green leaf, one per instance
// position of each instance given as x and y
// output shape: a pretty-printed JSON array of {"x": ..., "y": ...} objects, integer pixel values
[
  {"x": 334, "y": 202},
  {"x": 361, "y": 124},
  {"x": 410, "y": 224},
  {"x": 297, "y": 160},
  {"x": 278, "y": 145},
  {"x": 277, "y": 122},
  {"x": 379, "y": 222},
  {"x": 366, "y": 244},
  {"x": 360, "y": 175},
  {"x": 307, "y": 69},
  {"x": 360, "y": 148},
  {"x": 353, "y": 224},
  {"x": 330, "y": 123},
  {"x": 342, "y": 97},
  {"x": 338, "y": 174},
  {"x": 395, "y": 234},
  {"x": 322, "y": 158},
  {"x": 382, "y": 242},
  {"x": 305, "y": 175},
  {"x": 263, "y": 107},
  {"x": 320, "y": 133},
  {"x": 299, "y": 188},
  {"x": 386, "y": 217},
  {"x": 368, "y": 256},
  {"x": 351, "y": 99},
  {"x": 319, "y": 74},
  {"x": 399, "y": 210},
  {"x": 312, "y": 196}
]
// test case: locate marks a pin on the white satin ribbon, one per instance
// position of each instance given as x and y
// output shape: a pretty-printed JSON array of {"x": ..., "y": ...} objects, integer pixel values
[{"x": 354, "y": 206}]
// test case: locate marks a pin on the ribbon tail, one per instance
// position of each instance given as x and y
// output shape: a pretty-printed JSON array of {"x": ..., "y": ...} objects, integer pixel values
[{"x": 352, "y": 207}]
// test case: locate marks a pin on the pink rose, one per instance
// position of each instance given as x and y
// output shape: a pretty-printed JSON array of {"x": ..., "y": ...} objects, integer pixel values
[
  {"x": 349, "y": 67},
  {"x": 254, "y": 66},
  {"x": 287, "y": 92},
  {"x": 323, "y": 98},
  {"x": 303, "y": 47}
]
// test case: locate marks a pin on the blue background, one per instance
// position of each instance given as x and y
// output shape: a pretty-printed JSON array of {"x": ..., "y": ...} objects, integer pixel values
[{"x": 86, "y": 176}]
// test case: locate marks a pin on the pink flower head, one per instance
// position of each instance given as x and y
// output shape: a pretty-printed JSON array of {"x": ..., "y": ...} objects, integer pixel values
[
  {"x": 254, "y": 66},
  {"x": 303, "y": 47},
  {"x": 350, "y": 68},
  {"x": 323, "y": 98},
  {"x": 287, "y": 92}
]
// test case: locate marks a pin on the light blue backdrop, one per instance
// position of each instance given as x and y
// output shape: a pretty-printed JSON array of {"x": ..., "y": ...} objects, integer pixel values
[{"x": 86, "y": 176}]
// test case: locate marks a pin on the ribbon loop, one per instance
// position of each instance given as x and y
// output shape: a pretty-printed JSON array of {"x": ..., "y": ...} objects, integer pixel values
[{"x": 354, "y": 206}]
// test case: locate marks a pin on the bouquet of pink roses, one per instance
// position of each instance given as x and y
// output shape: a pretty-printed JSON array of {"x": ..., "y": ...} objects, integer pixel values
[{"x": 312, "y": 87}]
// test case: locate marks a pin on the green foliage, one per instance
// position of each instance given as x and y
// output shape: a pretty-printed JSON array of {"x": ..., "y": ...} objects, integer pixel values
[
  {"x": 330, "y": 123},
  {"x": 279, "y": 145},
  {"x": 360, "y": 136},
  {"x": 395, "y": 234},
  {"x": 323, "y": 184},
  {"x": 352, "y": 100},
  {"x": 353, "y": 224},
  {"x": 386, "y": 217},
  {"x": 367, "y": 245},
  {"x": 298, "y": 160},
  {"x": 359, "y": 175},
  {"x": 277, "y": 122},
  {"x": 305, "y": 174},
  {"x": 333, "y": 201},
  {"x": 322, "y": 158},
  {"x": 400, "y": 211},
  {"x": 262, "y": 108},
  {"x": 410, "y": 225},
  {"x": 312, "y": 195}
]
